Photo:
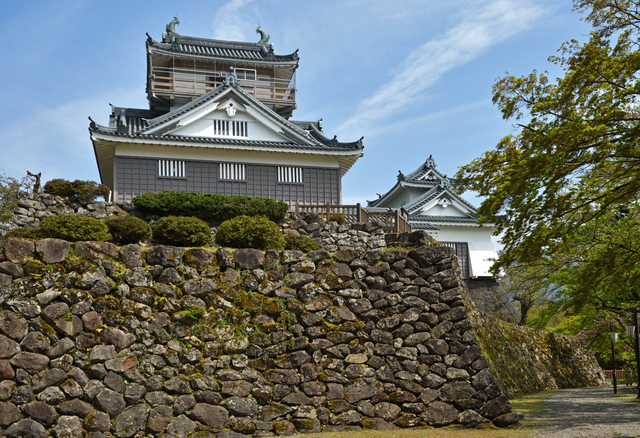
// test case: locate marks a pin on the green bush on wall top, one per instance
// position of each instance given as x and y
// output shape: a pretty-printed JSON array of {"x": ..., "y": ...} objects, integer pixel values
[
  {"x": 181, "y": 231},
  {"x": 73, "y": 228},
  {"x": 300, "y": 243},
  {"x": 209, "y": 206},
  {"x": 77, "y": 190},
  {"x": 250, "y": 232},
  {"x": 128, "y": 229}
]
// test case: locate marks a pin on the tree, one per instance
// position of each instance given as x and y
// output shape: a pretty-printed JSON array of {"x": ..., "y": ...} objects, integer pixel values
[
  {"x": 529, "y": 285},
  {"x": 9, "y": 188},
  {"x": 576, "y": 157}
]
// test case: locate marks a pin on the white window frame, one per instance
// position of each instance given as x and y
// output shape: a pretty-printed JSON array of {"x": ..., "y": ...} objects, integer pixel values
[
  {"x": 230, "y": 128},
  {"x": 171, "y": 168},
  {"x": 290, "y": 175},
  {"x": 232, "y": 172}
]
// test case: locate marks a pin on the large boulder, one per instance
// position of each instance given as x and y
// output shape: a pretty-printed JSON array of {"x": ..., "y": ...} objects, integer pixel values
[{"x": 52, "y": 250}]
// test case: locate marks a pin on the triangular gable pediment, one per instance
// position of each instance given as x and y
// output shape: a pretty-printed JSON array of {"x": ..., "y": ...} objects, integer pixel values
[
  {"x": 444, "y": 202},
  {"x": 225, "y": 113}
]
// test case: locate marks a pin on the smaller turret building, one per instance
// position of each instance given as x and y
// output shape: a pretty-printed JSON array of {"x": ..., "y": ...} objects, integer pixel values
[{"x": 432, "y": 204}]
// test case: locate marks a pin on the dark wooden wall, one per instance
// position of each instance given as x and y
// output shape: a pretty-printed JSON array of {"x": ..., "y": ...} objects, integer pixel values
[{"x": 137, "y": 175}]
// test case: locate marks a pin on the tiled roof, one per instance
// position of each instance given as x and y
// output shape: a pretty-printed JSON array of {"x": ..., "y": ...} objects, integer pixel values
[
  {"x": 221, "y": 49},
  {"x": 423, "y": 226},
  {"x": 215, "y": 140},
  {"x": 137, "y": 126},
  {"x": 443, "y": 219}
]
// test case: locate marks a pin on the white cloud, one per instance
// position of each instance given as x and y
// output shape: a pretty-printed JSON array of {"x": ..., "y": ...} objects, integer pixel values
[
  {"x": 480, "y": 28},
  {"x": 229, "y": 24}
]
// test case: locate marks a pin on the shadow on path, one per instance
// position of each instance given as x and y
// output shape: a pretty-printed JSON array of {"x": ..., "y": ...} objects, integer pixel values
[{"x": 589, "y": 412}]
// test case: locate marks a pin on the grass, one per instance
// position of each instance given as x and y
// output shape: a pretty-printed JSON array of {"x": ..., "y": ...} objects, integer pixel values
[
  {"x": 447, "y": 432},
  {"x": 532, "y": 406}
]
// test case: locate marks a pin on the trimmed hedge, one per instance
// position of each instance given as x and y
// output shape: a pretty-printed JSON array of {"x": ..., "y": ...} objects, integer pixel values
[
  {"x": 128, "y": 229},
  {"x": 181, "y": 231},
  {"x": 300, "y": 243},
  {"x": 208, "y": 206},
  {"x": 250, "y": 232},
  {"x": 73, "y": 228},
  {"x": 78, "y": 190}
]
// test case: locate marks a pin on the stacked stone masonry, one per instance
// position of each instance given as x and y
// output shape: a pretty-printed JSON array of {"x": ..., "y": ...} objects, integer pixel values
[
  {"x": 163, "y": 341},
  {"x": 34, "y": 207}
]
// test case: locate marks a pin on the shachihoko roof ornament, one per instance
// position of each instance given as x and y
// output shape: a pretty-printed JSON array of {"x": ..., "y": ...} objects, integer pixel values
[
  {"x": 171, "y": 27},
  {"x": 264, "y": 38}
]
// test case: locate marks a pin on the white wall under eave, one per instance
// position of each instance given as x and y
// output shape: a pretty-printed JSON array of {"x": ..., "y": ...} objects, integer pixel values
[
  {"x": 212, "y": 153},
  {"x": 439, "y": 210},
  {"x": 481, "y": 248}
]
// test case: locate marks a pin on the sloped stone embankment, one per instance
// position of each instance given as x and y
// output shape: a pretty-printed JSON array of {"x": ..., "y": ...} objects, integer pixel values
[{"x": 165, "y": 341}]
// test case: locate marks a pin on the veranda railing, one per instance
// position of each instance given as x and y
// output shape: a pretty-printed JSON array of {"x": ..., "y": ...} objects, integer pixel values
[{"x": 390, "y": 221}]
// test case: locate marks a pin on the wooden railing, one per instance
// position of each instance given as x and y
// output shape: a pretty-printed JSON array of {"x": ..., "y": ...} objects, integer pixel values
[
  {"x": 620, "y": 374},
  {"x": 390, "y": 221},
  {"x": 173, "y": 81}
]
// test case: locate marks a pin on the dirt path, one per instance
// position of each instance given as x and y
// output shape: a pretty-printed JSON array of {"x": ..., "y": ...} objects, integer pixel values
[{"x": 583, "y": 412}]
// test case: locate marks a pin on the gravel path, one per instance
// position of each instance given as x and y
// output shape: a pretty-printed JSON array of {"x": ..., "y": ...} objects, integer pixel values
[{"x": 590, "y": 412}]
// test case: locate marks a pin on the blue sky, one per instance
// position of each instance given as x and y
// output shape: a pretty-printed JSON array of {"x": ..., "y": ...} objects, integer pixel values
[{"x": 413, "y": 76}]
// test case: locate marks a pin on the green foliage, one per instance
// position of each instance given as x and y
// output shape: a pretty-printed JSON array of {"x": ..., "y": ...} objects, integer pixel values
[
  {"x": 77, "y": 190},
  {"x": 528, "y": 285},
  {"x": 9, "y": 188},
  {"x": 337, "y": 217},
  {"x": 300, "y": 243},
  {"x": 208, "y": 206},
  {"x": 577, "y": 153},
  {"x": 194, "y": 313},
  {"x": 181, "y": 231},
  {"x": 128, "y": 229},
  {"x": 250, "y": 232},
  {"x": 568, "y": 180},
  {"x": 73, "y": 228},
  {"x": 24, "y": 233}
]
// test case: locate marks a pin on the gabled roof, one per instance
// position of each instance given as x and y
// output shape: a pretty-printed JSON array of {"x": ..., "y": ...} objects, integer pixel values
[
  {"x": 232, "y": 50},
  {"x": 436, "y": 189},
  {"x": 133, "y": 123},
  {"x": 137, "y": 125}
]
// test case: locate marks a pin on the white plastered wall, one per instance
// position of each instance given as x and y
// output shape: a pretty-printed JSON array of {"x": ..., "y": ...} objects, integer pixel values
[
  {"x": 203, "y": 127},
  {"x": 481, "y": 248},
  {"x": 212, "y": 153}
]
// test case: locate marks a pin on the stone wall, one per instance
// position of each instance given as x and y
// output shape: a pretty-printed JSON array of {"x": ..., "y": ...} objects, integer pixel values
[
  {"x": 33, "y": 207},
  {"x": 526, "y": 361},
  {"x": 138, "y": 341}
]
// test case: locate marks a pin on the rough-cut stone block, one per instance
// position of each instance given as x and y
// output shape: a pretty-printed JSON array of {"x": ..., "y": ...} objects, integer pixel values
[
  {"x": 41, "y": 412},
  {"x": 13, "y": 325},
  {"x": 19, "y": 250},
  {"x": 52, "y": 250},
  {"x": 96, "y": 250},
  {"x": 166, "y": 256},
  {"x": 31, "y": 362},
  {"x": 27, "y": 428},
  {"x": 129, "y": 422},
  {"x": 132, "y": 256},
  {"x": 248, "y": 259},
  {"x": 68, "y": 427}
]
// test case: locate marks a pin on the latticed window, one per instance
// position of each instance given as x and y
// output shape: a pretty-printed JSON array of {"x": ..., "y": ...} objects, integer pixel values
[
  {"x": 231, "y": 171},
  {"x": 230, "y": 128},
  {"x": 288, "y": 174},
  {"x": 462, "y": 252},
  {"x": 172, "y": 169}
]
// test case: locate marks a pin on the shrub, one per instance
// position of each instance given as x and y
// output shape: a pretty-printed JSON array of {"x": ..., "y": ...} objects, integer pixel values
[
  {"x": 74, "y": 228},
  {"x": 181, "y": 231},
  {"x": 128, "y": 229},
  {"x": 250, "y": 232},
  {"x": 209, "y": 206},
  {"x": 337, "y": 217},
  {"x": 77, "y": 190},
  {"x": 24, "y": 233},
  {"x": 301, "y": 243}
]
